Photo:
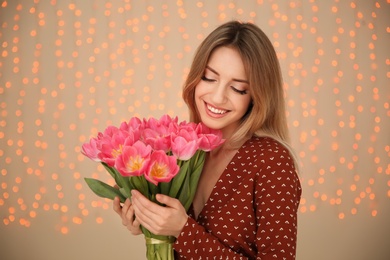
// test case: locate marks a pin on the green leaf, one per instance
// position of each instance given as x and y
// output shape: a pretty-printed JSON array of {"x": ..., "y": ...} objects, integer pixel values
[
  {"x": 195, "y": 172},
  {"x": 137, "y": 182},
  {"x": 124, "y": 193},
  {"x": 153, "y": 190},
  {"x": 194, "y": 179},
  {"x": 110, "y": 170},
  {"x": 120, "y": 180},
  {"x": 178, "y": 180},
  {"x": 165, "y": 187},
  {"x": 184, "y": 193},
  {"x": 104, "y": 190}
]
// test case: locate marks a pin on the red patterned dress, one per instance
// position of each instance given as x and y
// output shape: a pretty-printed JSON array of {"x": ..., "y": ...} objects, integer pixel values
[{"x": 252, "y": 210}]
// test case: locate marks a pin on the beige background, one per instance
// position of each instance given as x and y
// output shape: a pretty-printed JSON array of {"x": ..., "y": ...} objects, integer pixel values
[{"x": 70, "y": 68}]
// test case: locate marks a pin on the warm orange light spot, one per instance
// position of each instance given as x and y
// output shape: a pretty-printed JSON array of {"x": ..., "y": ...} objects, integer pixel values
[
  {"x": 77, "y": 220},
  {"x": 32, "y": 214},
  {"x": 99, "y": 220},
  {"x": 64, "y": 230},
  {"x": 78, "y": 186},
  {"x": 85, "y": 212},
  {"x": 11, "y": 210},
  {"x": 38, "y": 196}
]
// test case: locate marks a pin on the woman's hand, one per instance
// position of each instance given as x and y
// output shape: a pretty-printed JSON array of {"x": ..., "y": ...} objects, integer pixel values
[
  {"x": 126, "y": 212},
  {"x": 166, "y": 221}
]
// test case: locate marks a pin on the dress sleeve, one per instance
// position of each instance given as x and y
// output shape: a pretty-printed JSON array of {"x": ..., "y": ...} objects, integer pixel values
[
  {"x": 277, "y": 196},
  {"x": 195, "y": 242}
]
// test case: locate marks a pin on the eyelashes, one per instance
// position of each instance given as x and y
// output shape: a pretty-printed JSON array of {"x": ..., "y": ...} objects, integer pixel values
[
  {"x": 207, "y": 79},
  {"x": 241, "y": 92}
]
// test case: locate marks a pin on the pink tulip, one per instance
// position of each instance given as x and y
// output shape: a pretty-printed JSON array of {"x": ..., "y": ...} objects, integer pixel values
[
  {"x": 166, "y": 120},
  {"x": 157, "y": 133},
  {"x": 112, "y": 144},
  {"x": 161, "y": 168},
  {"x": 156, "y": 140},
  {"x": 183, "y": 149},
  {"x": 110, "y": 131},
  {"x": 133, "y": 159},
  {"x": 164, "y": 126},
  {"x": 185, "y": 144},
  {"x": 209, "y": 139},
  {"x": 135, "y": 125},
  {"x": 91, "y": 149},
  {"x": 188, "y": 126}
]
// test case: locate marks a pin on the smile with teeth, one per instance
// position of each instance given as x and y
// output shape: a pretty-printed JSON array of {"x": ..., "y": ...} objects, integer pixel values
[{"x": 216, "y": 110}]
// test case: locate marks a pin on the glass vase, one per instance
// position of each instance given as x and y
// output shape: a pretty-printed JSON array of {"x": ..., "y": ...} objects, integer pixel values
[{"x": 160, "y": 248}]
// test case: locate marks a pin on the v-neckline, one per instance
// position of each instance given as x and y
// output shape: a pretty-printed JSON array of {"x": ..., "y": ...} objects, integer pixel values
[{"x": 213, "y": 190}]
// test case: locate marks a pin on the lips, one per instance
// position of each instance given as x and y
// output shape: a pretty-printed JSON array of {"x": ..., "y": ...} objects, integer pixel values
[{"x": 215, "y": 110}]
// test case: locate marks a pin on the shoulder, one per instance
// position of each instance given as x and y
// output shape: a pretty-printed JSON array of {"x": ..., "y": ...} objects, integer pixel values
[
  {"x": 269, "y": 154},
  {"x": 274, "y": 166},
  {"x": 266, "y": 146}
]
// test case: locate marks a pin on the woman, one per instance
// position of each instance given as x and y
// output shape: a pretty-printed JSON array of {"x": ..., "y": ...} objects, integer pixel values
[{"x": 246, "y": 203}]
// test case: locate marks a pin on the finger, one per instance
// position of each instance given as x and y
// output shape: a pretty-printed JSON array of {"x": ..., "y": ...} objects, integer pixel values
[
  {"x": 129, "y": 219},
  {"x": 129, "y": 214},
  {"x": 168, "y": 201},
  {"x": 117, "y": 206},
  {"x": 143, "y": 208},
  {"x": 134, "y": 225},
  {"x": 145, "y": 205},
  {"x": 146, "y": 211},
  {"x": 124, "y": 210},
  {"x": 125, "y": 207}
]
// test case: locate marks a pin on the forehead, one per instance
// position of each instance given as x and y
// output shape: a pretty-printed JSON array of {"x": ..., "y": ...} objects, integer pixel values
[{"x": 227, "y": 60}]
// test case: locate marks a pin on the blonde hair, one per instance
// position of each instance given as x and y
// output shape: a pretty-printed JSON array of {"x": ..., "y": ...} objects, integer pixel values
[{"x": 266, "y": 114}]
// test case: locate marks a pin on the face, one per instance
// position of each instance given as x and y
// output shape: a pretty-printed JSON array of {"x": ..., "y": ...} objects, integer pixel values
[{"x": 222, "y": 96}]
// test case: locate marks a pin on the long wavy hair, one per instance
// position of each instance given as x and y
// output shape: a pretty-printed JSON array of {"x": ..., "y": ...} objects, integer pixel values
[{"x": 266, "y": 116}]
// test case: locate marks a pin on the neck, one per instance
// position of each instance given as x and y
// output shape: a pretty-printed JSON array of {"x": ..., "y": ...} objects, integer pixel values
[{"x": 226, "y": 148}]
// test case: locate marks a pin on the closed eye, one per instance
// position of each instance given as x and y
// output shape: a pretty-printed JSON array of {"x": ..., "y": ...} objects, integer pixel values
[
  {"x": 241, "y": 92},
  {"x": 207, "y": 79}
]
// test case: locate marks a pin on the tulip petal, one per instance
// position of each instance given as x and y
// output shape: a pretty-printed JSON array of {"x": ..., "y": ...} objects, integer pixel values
[{"x": 161, "y": 167}]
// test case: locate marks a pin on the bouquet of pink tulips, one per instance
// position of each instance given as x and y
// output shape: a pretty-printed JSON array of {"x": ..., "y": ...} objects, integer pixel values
[{"x": 153, "y": 156}]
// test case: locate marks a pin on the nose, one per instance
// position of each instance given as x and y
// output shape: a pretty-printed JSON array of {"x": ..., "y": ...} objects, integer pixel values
[{"x": 219, "y": 94}]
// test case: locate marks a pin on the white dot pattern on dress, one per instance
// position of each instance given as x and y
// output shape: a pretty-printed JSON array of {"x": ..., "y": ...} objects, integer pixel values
[{"x": 252, "y": 210}]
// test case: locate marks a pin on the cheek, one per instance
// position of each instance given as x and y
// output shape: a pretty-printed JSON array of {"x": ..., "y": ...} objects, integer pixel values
[
  {"x": 197, "y": 95},
  {"x": 244, "y": 103},
  {"x": 246, "y": 106},
  {"x": 200, "y": 90}
]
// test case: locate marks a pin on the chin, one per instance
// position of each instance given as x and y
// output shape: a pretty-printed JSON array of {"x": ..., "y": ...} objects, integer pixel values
[{"x": 210, "y": 123}]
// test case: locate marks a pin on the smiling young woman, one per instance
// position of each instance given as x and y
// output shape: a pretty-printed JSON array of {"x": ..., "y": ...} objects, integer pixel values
[{"x": 247, "y": 198}]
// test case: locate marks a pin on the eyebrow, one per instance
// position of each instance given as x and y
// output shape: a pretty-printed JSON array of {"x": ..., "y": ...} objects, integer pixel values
[{"x": 238, "y": 80}]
